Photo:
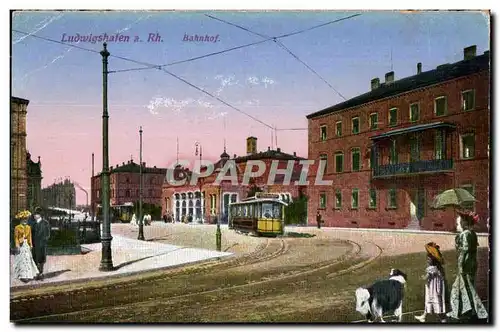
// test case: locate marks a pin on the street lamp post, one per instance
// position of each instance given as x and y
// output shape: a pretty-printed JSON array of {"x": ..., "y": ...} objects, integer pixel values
[
  {"x": 106, "y": 259},
  {"x": 198, "y": 144},
  {"x": 141, "y": 221}
]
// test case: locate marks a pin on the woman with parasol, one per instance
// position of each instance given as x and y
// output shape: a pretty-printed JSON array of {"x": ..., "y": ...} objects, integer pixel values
[
  {"x": 464, "y": 300},
  {"x": 435, "y": 299}
]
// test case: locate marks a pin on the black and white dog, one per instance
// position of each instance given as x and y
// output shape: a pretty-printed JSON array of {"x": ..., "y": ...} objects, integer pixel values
[{"x": 382, "y": 297}]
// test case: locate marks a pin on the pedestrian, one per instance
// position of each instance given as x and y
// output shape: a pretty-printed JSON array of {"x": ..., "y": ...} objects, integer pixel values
[
  {"x": 40, "y": 237},
  {"x": 25, "y": 268},
  {"x": 464, "y": 301},
  {"x": 165, "y": 218},
  {"x": 318, "y": 219},
  {"x": 435, "y": 295}
]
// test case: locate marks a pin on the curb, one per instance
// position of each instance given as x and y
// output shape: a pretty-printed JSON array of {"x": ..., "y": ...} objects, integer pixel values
[
  {"x": 79, "y": 282},
  {"x": 385, "y": 230}
]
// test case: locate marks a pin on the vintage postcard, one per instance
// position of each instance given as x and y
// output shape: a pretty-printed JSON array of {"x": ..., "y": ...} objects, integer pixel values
[{"x": 250, "y": 167}]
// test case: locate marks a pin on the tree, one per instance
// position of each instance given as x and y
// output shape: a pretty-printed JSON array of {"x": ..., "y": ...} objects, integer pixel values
[{"x": 296, "y": 212}]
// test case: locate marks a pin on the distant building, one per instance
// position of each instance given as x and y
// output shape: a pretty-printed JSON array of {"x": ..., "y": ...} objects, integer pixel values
[
  {"x": 61, "y": 194},
  {"x": 34, "y": 171},
  {"x": 18, "y": 165},
  {"x": 124, "y": 185},
  {"x": 391, "y": 150},
  {"x": 207, "y": 199}
]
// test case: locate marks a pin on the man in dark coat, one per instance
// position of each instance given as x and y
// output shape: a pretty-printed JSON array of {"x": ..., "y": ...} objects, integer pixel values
[
  {"x": 318, "y": 219},
  {"x": 40, "y": 238}
]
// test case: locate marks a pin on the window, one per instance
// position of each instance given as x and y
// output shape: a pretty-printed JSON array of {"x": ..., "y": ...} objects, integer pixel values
[
  {"x": 322, "y": 133},
  {"x": 355, "y": 125},
  {"x": 338, "y": 199},
  {"x": 393, "y": 116},
  {"x": 393, "y": 201},
  {"x": 338, "y": 128},
  {"x": 440, "y": 106},
  {"x": 414, "y": 112},
  {"x": 414, "y": 148},
  {"x": 324, "y": 159},
  {"x": 356, "y": 162},
  {"x": 355, "y": 199},
  {"x": 467, "y": 146},
  {"x": 339, "y": 162},
  {"x": 470, "y": 189},
  {"x": 373, "y": 121},
  {"x": 97, "y": 192},
  {"x": 373, "y": 199},
  {"x": 127, "y": 193},
  {"x": 468, "y": 100},
  {"x": 322, "y": 200},
  {"x": 393, "y": 153},
  {"x": 438, "y": 145}
]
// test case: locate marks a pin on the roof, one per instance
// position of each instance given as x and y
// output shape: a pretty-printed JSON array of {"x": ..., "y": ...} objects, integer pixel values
[
  {"x": 18, "y": 100},
  {"x": 412, "y": 129},
  {"x": 269, "y": 154},
  {"x": 132, "y": 167},
  {"x": 442, "y": 73}
]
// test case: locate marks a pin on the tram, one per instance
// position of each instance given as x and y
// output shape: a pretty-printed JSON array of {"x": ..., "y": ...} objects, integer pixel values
[{"x": 260, "y": 215}]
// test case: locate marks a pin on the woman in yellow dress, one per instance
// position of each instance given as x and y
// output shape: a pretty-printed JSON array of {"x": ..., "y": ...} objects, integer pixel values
[{"x": 24, "y": 267}]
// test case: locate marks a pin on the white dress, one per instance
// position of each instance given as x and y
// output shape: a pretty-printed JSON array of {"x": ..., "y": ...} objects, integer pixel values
[
  {"x": 435, "y": 291},
  {"x": 24, "y": 266}
]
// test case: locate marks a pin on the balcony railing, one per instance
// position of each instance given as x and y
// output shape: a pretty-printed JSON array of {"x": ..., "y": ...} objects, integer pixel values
[{"x": 421, "y": 166}]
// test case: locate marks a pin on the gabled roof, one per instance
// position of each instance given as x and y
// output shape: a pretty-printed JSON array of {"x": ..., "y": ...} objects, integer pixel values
[{"x": 442, "y": 73}]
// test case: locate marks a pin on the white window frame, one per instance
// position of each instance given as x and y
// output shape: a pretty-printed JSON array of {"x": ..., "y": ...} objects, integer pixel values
[
  {"x": 418, "y": 105},
  {"x": 320, "y": 195},
  {"x": 358, "y": 150},
  {"x": 376, "y": 122},
  {"x": 336, "y": 129},
  {"x": 462, "y": 146},
  {"x": 355, "y": 190},
  {"x": 352, "y": 125},
  {"x": 338, "y": 153},
  {"x": 445, "y": 105},
  {"x": 321, "y": 133},
  {"x": 473, "y": 100},
  {"x": 389, "y": 117}
]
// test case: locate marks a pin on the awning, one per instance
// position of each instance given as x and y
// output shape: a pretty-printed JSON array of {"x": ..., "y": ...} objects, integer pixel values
[{"x": 401, "y": 131}]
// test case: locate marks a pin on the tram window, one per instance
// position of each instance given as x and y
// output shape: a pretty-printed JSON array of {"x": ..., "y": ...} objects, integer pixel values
[
  {"x": 245, "y": 211},
  {"x": 277, "y": 211},
  {"x": 250, "y": 211},
  {"x": 267, "y": 210},
  {"x": 257, "y": 210}
]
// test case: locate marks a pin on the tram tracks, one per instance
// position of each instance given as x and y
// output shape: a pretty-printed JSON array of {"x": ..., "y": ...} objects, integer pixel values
[{"x": 182, "y": 300}]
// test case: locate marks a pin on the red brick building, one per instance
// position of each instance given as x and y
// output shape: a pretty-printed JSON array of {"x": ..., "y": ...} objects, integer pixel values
[
  {"x": 124, "y": 184},
  {"x": 391, "y": 150},
  {"x": 208, "y": 199}
]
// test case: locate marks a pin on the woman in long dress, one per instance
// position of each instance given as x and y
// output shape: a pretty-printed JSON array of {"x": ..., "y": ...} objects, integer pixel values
[
  {"x": 435, "y": 300},
  {"x": 24, "y": 267},
  {"x": 464, "y": 301}
]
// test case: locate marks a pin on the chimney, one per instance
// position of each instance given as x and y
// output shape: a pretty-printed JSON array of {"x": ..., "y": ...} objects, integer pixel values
[
  {"x": 419, "y": 68},
  {"x": 268, "y": 148},
  {"x": 470, "y": 52},
  {"x": 251, "y": 145},
  {"x": 278, "y": 149},
  {"x": 234, "y": 156},
  {"x": 375, "y": 83},
  {"x": 143, "y": 164},
  {"x": 111, "y": 168},
  {"x": 389, "y": 77},
  {"x": 295, "y": 154}
]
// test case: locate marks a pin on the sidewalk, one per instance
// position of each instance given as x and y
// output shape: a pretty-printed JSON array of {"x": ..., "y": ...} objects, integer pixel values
[{"x": 129, "y": 256}]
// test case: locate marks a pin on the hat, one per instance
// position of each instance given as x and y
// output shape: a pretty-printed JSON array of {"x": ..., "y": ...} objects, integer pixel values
[
  {"x": 23, "y": 215},
  {"x": 470, "y": 216},
  {"x": 38, "y": 209},
  {"x": 433, "y": 250}
]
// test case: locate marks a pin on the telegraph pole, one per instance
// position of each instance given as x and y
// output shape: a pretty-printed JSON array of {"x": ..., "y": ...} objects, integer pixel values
[
  {"x": 141, "y": 221},
  {"x": 106, "y": 259},
  {"x": 92, "y": 191}
]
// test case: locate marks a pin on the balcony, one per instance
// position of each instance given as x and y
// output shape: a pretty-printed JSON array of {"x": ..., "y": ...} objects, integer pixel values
[{"x": 421, "y": 166}]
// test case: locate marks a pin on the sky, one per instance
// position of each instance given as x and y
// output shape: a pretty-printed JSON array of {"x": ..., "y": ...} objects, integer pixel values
[{"x": 64, "y": 83}]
